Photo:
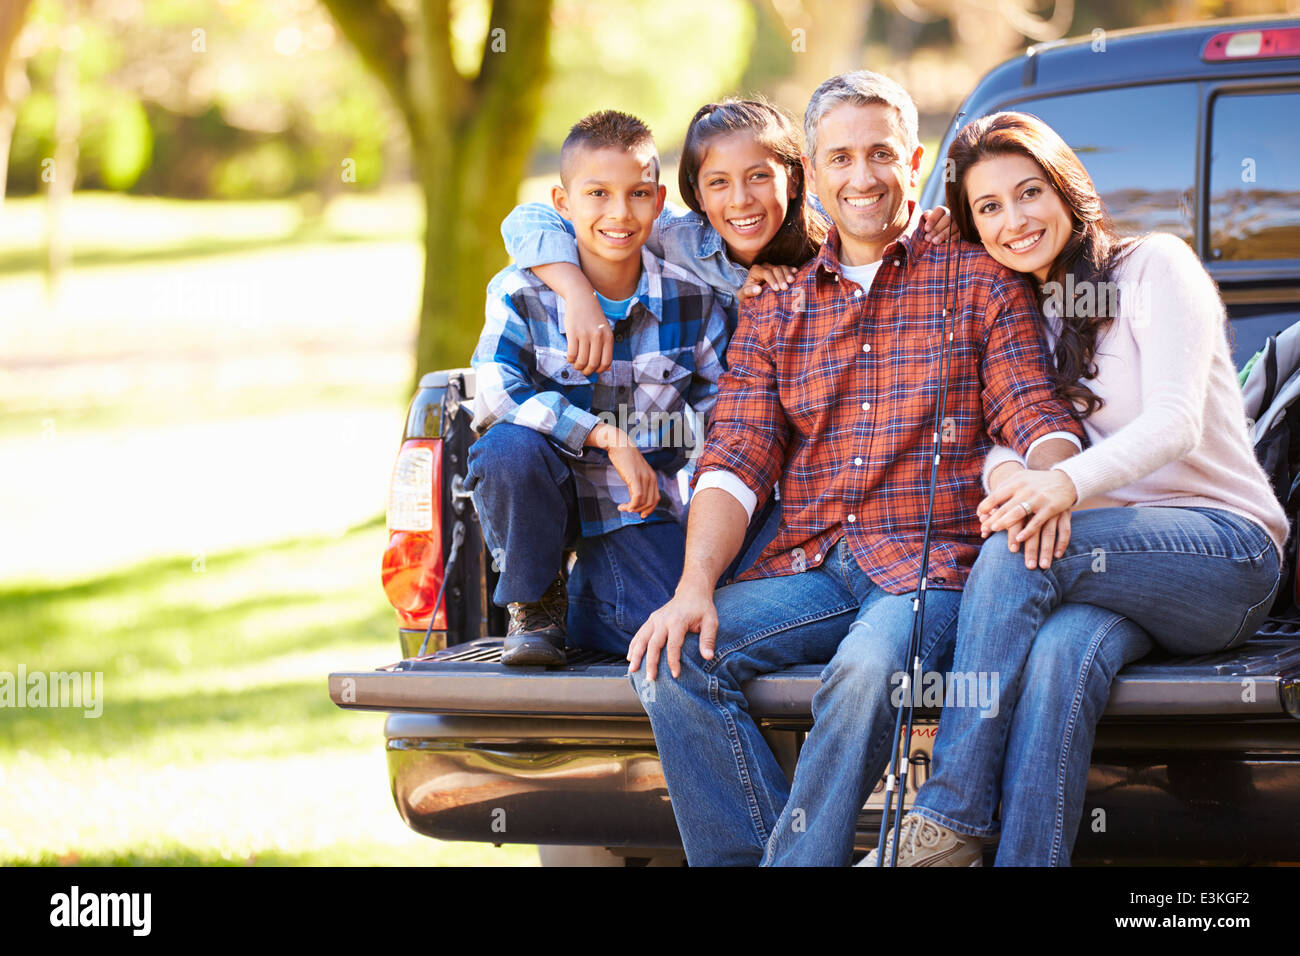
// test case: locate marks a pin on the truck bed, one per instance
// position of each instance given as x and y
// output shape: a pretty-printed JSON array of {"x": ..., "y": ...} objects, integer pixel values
[{"x": 469, "y": 679}]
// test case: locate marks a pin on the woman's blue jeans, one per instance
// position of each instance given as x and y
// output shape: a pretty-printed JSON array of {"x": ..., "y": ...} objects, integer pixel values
[{"x": 1196, "y": 580}]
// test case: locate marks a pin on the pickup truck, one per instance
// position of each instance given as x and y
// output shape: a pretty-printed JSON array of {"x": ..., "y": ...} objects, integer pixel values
[{"x": 1197, "y": 760}]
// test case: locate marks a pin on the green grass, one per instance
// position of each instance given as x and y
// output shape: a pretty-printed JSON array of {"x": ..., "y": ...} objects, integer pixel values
[{"x": 218, "y": 743}]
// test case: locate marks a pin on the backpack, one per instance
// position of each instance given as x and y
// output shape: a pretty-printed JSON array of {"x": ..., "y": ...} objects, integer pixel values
[{"x": 1270, "y": 386}]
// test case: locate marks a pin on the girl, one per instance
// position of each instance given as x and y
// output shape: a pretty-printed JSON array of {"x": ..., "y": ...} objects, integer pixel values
[{"x": 1176, "y": 530}]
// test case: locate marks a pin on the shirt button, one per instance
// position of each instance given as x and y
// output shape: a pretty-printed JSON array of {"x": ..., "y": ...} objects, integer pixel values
[
  {"x": 835, "y": 276},
  {"x": 857, "y": 292},
  {"x": 852, "y": 518},
  {"x": 866, "y": 347},
  {"x": 857, "y": 461},
  {"x": 896, "y": 262},
  {"x": 866, "y": 406},
  {"x": 817, "y": 556},
  {"x": 564, "y": 373}
]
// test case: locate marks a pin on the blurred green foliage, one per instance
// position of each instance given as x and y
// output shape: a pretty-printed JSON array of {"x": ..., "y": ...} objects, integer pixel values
[
  {"x": 199, "y": 98},
  {"x": 263, "y": 98},
  {"x": 245, "y": 99}
]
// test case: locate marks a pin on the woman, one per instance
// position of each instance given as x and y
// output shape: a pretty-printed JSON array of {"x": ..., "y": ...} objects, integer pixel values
[{"x": 1175, "y": 528}]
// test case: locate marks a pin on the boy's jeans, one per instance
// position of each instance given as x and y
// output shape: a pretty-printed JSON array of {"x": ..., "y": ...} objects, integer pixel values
[
  {"x": 1196, "y": 579},
  {"x": 523, "y": 490},
  {"x": 732, "y": 801}
]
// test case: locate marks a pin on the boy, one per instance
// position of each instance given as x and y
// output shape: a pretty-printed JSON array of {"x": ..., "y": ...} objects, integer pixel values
[{"x": 590, "y": 462}]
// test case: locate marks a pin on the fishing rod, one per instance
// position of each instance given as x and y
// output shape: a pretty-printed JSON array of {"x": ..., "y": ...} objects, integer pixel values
[{"x": 903, "y": 728}]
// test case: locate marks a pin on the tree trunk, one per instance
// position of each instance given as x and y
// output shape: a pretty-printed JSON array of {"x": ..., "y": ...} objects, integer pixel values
[
  {"x": 12, "y": 82},
  {"x": 470, "y": 143}
]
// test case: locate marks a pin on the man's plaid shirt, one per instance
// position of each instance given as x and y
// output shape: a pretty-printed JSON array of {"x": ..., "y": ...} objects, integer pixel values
[
  {"x": 832, "y": 391},
  {"x": 668, "y": 353}
]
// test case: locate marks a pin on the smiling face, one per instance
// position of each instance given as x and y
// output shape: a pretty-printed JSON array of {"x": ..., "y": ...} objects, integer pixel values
[
  {"x": 612, "y": 196},
  {"x": 862, "y": 172},
  {"x": 744, "y": 191},
  {"x": 1021, "y": 219}
]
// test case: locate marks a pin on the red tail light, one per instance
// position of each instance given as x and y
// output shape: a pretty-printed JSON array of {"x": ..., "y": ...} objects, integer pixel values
[{"x": 412, "y": 568}]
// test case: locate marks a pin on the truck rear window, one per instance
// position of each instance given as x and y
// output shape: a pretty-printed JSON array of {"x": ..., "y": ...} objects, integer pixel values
[
  {"x": 1139, "y": 146},
  {"x": 1255, "y": 176}
]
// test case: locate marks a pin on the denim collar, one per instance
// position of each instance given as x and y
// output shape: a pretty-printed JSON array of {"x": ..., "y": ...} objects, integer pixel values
[{"x": 711, "y": 243}]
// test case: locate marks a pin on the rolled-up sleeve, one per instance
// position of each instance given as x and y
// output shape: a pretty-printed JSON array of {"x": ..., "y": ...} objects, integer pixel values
[
  {"x": 1018, "y": 393},
  {"x": 750, "y": 431}
]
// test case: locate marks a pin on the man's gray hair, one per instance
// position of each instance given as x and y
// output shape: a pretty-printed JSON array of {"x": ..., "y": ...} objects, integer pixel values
[{"x": 860, "y": 88}]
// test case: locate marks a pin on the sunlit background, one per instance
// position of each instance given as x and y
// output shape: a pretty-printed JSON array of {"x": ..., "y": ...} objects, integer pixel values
[{"x": 212, "y": 262}]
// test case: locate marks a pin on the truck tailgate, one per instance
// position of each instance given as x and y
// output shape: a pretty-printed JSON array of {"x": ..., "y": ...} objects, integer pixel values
[{"x": 1259, "y": 679}]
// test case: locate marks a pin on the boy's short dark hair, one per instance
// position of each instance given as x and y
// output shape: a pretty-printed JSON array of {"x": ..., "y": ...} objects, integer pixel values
[{"x": 607, "y": 128}]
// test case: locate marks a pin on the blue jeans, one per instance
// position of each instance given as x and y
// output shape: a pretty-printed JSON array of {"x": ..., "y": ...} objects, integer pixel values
[
  {"x": 1195, "y": 579},
  {"x": 527, "y": 506},
  {"x": 1063, "y": 693},
  {"x": 733, "y": 803}
]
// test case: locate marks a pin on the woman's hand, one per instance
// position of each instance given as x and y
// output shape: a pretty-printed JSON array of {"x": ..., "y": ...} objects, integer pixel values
[
  {"x": 760, "y": 273},
  {"x": 937, "y": 225},
  {"x": 1028, "y": 497},
  {"x": 1041, "y": 546}
]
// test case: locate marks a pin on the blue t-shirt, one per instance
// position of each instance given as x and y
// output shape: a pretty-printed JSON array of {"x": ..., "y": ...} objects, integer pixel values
[{"x": 615, "y": 309}]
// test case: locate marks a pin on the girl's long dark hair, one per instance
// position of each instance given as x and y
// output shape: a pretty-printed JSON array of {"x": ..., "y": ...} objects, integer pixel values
[
  {"x": 802, "y": 231},
  {"x": 1089, "y": 256}
]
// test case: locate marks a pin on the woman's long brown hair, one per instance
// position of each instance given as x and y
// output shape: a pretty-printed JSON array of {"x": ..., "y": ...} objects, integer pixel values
[
  {"x": 802, "y": 230},
  {"x": 1090, "y": 255}
]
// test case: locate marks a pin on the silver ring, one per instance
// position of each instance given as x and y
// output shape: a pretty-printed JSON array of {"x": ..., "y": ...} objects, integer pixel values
[{"x": 1028, "y": 510}]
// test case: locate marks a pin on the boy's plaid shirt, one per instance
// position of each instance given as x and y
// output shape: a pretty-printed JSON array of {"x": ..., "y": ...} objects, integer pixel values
[
  {"x": 668, "y": 357},
  {"x": 832, "y": 391}
]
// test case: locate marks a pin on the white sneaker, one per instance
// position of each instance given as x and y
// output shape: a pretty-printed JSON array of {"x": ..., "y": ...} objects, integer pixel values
[{"x": 925, "y": 843}]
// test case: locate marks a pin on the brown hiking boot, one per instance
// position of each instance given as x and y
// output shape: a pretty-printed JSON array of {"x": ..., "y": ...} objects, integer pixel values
[{"x": 535, "y": 637}]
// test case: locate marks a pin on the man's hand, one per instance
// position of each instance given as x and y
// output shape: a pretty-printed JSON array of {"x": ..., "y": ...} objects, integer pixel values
[
  {"x": 937, "y": 225},
  {"x": 776, "y": 277},
  {"x": 690, "y": 611},
  {"x": 590, "y": 338}
]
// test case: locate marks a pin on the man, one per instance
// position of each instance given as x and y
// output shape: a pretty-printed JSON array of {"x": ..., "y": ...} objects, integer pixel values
[{"x": 831, "y": 389}]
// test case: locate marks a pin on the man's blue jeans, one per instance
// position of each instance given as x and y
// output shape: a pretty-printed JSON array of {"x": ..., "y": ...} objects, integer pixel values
[
  {"x": 1195, "y": 579},
  {"x": 524, "y": 493},
  {"x": 733, "y": 803}
]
